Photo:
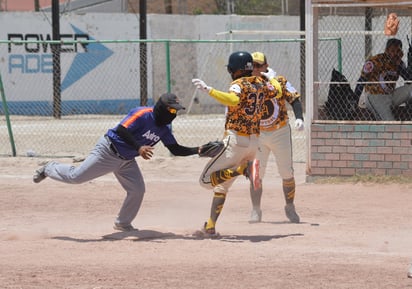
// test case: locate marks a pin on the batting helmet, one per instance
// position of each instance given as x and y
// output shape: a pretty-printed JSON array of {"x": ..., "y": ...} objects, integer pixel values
[{"x": 240, "y": 60}]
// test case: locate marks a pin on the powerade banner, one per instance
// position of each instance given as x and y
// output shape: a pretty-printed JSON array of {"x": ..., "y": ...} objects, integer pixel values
[
  {"x": 95, "y": 77},
  {"x": 37, "y": 57}
]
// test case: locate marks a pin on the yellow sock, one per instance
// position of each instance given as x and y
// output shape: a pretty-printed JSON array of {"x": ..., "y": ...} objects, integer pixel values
[
  {"x": 221, "y": 176},
  {"x": 210, "y": 224},
  {"x": 289, "y": 190},
  {"x": 240, "y": 169}
]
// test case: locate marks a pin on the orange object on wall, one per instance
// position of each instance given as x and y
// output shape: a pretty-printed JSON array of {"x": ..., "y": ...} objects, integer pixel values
[{"x": 391, "y": 24}]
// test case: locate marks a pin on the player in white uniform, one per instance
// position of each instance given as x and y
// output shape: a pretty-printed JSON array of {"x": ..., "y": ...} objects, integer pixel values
[{"x": 275, "y": 137}]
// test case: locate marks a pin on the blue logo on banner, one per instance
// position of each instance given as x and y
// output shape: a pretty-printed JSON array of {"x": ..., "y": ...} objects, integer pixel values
[{"x": 84, "y": 62}]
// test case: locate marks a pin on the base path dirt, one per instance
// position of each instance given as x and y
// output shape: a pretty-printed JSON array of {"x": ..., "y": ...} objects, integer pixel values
[{"x": 55, "y": 235}]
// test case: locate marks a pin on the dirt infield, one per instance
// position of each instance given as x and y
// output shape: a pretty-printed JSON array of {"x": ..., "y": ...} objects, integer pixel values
[{"x": 54, "y": 235}]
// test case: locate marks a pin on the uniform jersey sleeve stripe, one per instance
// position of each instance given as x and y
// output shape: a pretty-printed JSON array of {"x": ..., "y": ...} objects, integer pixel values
[{"x": 135, "y": 116}]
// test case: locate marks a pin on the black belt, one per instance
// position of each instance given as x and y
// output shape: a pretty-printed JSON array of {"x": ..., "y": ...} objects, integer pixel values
[{"x": 113, "y": 148}]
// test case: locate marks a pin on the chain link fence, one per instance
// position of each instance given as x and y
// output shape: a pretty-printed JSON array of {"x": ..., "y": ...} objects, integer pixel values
[
  {"x": 361, "y": 35},
  {"x": 93, "y": 100}
]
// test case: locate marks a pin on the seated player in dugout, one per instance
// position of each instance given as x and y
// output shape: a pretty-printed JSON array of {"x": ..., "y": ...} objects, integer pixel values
[{"x": 378, "y": 81}]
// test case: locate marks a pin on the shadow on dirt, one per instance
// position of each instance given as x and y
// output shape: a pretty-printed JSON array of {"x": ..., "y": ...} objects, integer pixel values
[{"x": 156, "y": 236}]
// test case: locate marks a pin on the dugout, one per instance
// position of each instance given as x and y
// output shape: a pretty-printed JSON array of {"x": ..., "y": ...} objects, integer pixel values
[{"x": 352, "y": 145}]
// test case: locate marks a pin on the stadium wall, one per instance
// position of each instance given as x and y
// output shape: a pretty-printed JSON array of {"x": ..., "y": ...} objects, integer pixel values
[{"x": 24, "y": 66}]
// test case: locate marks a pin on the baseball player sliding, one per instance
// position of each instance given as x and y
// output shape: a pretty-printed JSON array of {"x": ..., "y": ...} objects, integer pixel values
[
  {"x": 275, "y": 137},
  {"x": 115, "y": 152},
  {"x": 243, "y": 112}
]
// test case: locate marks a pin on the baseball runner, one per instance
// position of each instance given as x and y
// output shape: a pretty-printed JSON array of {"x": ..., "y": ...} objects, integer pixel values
[
  {"x": 275, "y": 137},
  {"x": 134, "y": 136},
  {"x": 243, "y": 111}
]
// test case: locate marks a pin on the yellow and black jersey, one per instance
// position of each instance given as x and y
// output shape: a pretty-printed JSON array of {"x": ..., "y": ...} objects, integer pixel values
[
  {"x": 379, "y": 69},
  {"x": 274, "y": 110},
  {"x": 252, "y": 91}
]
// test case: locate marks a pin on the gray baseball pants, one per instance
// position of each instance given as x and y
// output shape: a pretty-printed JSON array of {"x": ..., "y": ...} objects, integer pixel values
[
  {"x": 380, "y": 104},
  {"x": 102, "y": 161}
]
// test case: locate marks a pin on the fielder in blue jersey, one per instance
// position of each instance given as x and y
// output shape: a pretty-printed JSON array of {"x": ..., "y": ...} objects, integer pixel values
[{"x": 115, "y": 152}]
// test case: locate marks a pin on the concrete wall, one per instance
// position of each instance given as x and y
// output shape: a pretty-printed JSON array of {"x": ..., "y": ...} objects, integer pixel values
[{"x": 117, "y": 74}]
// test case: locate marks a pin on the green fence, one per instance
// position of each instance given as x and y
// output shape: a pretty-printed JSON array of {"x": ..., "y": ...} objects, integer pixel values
[{"x": 102, "y": 80}]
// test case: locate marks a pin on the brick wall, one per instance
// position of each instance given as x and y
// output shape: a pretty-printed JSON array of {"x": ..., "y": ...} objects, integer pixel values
[{"x": 368, "y": 148}]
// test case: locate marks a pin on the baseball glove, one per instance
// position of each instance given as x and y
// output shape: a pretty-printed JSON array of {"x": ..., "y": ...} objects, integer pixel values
[{"x": 211, "y": 149}]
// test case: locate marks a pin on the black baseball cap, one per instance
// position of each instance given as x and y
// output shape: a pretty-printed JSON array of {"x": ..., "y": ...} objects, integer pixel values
[
  {"x": 393, "y": 42},
  {"x": 171, "y": 100}
]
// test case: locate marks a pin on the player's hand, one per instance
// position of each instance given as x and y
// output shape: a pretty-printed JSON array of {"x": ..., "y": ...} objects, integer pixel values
[
  {"x": 146, "y": 152},
  {"x": 299, "y": 124},
  {"x": 201, "y": 85},
  {"x": 269, "y": 74}
]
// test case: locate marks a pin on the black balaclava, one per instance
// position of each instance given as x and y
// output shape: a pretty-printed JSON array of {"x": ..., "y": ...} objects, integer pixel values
[
  {"x": 166, "y": 108},
  {"x": 162, "y": 114}
]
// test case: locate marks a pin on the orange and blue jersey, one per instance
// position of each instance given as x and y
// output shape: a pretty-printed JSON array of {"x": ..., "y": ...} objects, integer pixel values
[{"x": 140, "y": 122}]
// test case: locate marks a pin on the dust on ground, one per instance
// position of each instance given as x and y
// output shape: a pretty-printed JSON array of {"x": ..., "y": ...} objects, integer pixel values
[{"x": 55, "y": 235}]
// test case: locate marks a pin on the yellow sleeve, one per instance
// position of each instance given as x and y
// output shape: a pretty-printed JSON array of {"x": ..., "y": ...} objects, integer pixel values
[
  {"x": 277, "y": 86},
  {"x": 225, "y": 98}
]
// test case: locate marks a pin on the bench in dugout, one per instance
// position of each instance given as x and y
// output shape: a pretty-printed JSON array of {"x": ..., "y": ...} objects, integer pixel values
[{"x": 343, "y": 103}]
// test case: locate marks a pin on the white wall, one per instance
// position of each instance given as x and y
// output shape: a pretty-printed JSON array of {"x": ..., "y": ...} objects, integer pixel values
[{"x": 34, "y": 81}]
